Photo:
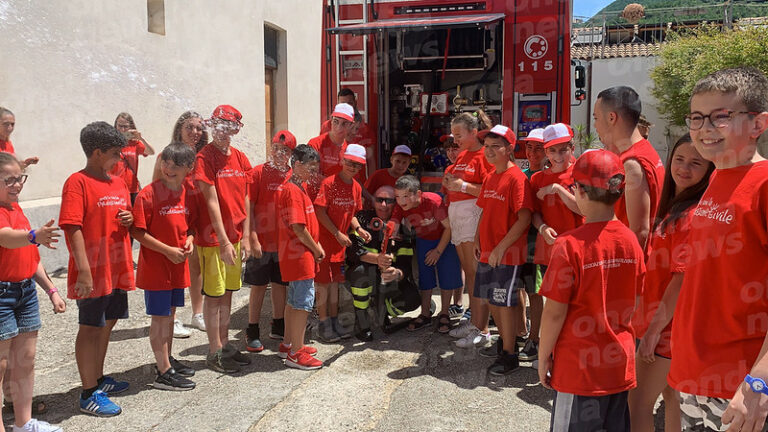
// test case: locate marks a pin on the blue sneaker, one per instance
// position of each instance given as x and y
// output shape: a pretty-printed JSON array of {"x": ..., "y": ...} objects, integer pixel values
[
  {"x": 111, "y": 387},
  {"x": 99, "y": 405}
]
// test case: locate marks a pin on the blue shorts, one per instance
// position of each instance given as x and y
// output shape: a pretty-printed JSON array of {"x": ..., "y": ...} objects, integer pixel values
[
  {"x": 301, "y": 294},
  {"x": 448, "y": 267},
  {"x": 159, "y": 303},
  {"x": 95, "y": 312},
  {"x": 498, "y": 285},
  {"x": 19, "y": 310}
]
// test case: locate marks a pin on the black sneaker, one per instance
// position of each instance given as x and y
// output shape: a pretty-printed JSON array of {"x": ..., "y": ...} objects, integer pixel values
[
  {"x": 530, "y": 351},
  {"x": 278, "y": 329},
  {"x": 505, "y": 364},
  {"x": 216, "y": 361},
  {"x": 181, "y": 368},
  {"x": 230, "y": 351},
  {"x": 492, "y": 351},
  {"x": 521, "y": 341},
  {"x": 170, "y": 380}
]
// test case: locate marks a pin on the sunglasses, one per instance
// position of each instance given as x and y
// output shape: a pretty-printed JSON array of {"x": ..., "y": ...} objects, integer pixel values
[
  {"x": 10, "y": 181},
  {"x": 382, "y": 200}
]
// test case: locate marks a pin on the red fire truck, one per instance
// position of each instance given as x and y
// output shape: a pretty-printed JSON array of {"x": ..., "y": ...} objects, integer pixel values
[{"x": 413, "y": 64}]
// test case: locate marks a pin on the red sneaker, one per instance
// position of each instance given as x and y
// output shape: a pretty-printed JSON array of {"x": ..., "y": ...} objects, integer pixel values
[
  {"x": 283, "y": 351},
  {"x": 302, "y": 360}
]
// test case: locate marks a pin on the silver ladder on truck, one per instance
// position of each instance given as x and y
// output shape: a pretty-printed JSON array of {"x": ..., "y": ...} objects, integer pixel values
[{"x": 341, "y": 54}]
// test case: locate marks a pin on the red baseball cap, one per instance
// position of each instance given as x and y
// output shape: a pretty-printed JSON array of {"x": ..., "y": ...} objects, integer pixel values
[
  {"x": 596, "y": 168},
  {"x": 499, "y": 130},
  {"x": 285, "y": 138},
  {"x": 227, "y": 112},
  {"x": 557, "y": 133},
  {"x": 446, "y": 137}
]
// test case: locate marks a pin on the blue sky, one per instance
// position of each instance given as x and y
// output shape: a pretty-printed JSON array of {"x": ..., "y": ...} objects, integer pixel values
[{"x": 588, "y": 8}]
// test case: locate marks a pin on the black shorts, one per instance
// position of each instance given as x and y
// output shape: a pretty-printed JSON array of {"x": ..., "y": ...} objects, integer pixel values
[
  {"x": 261, "y": 271},
  {"x": 95, "y": 312},
  {"x": 532, "y": 275},
  {"x": 574, "y": 413},
  {"x": 498, "y": 285}
]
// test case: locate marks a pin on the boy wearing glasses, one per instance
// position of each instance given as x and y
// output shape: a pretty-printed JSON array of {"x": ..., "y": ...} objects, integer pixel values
[
  {"x": 339, "y": 198},
  {"x": 719, "y": 361},
  {"x": 616, "y": 114},
  {"x": 587, "y": 347},
  {"x": 331, "y": 145}
]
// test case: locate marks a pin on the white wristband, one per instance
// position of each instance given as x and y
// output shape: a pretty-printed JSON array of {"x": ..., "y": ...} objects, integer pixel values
[{"x": 464, "y": 187}]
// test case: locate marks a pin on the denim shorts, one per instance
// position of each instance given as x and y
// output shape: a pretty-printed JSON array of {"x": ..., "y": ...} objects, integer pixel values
[
  {"x": 301, "y": 295},
  {"x": 160, "y": 303},
  {"x": 19, "y": 310}
]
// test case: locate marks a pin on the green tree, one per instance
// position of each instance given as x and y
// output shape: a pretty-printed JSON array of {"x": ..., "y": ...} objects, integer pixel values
[{"x": 692, "y": 55}]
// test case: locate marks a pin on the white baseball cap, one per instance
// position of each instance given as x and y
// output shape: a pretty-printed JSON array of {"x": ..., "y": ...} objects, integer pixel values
[
  {"x": 355, "y": 153},
  {"x": 345, "y": 111},
  {"x": 402, "y": 149},
  {"x": 557, "y": 133},
  {"x": 535, "y": 135}
]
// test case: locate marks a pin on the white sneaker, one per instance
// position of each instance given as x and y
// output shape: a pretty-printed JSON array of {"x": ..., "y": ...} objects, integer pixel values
[
  {"x": 462, "y": 330},
  {"x": 179, "y": 331},
  {"x": 34, "y": 425},
  {"x": 197, "y": 322},
  {"x": 474, "y": 338}
]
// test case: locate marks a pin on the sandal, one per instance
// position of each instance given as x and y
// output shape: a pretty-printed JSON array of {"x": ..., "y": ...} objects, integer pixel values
[
  {"x": 38, "y": 407},
  {"x": 420, "y": 321},
  {"x": 443, "y": 323}
]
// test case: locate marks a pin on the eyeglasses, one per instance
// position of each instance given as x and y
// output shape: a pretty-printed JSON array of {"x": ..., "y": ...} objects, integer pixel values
[
  {"x": 10, "y": 181},
  {"x": 382, "y": 200},
  {"x": 718, "y": 118}
]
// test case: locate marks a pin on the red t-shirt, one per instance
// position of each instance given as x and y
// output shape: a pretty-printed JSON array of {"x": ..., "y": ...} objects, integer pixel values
[
  {"x": 341, "y": 201},
  {"x": 265, "y": 180},
  {"x": 294, "y": 207},
  {"x": 365, "y": 137},
  {"x": 330, "y": 154},
  {"x": 128, "y": 165},
  {"x": 552, "y": 209},
  {"x": 229, "y": 174},
  {"x": 653, "y": 170},
  {"x": 378, "y": 179},
  {"x": 721, "y": 317},
  {"x": 427, "y": 218},
  {"x": 93, "y": 205},
  {"x": 7, "y": 146},
  {"x": 669, "y": 252},
  {"x": 472, "y": 167},
  {"x": 162, "y": 213},
  {"x": 19, "y": 263},
  {"x": 597, "y": 270},
  {"x": 501, "y": 198}
]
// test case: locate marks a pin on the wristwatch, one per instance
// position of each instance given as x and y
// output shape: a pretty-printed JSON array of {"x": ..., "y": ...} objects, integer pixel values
[{"x": 756, "y": 384}]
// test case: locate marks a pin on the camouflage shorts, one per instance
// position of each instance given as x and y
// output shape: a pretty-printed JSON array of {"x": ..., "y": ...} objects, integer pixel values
[{"x": 701, "y": 413}]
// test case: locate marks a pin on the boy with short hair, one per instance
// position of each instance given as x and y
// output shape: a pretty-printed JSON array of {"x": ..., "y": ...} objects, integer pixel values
[
  {"x": 719, "y": 361},
  {"x": 339, "y": 198},
  {"x": 400, "y": 160},
  {"x": 299, "y": 252},
  {"x": 95, "y": 217},
  {"x": 161, "y": 215},
  {"x": 221, "y": 177},
  {"x": 594, "y": 277},
  {"x": 427, "y": 214}
]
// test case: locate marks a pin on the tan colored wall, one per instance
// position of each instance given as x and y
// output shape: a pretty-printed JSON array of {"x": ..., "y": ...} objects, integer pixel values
[{"x": 69, "y": 62}]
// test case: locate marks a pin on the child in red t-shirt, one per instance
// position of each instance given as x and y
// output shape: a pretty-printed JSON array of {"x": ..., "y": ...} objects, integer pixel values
[
  {"x": 7, "y": 124},
  {"x": 501, "y": 243},
  {"x": 400, "y": 160},
  {"x": 330, "y": 145},
  {"x": 263, "y": 267},
  {"x": 128, "y": 166},
  {"x": 221, "y": 176},
  {"x": 161, "y": 214},
  {"x": 556, "y": 212},
  {"x": 427, "y": 215},
  {"x": 299, "y": 251},
  {"x": 687, "y": 179},
  {"x": 719, "y": 333},
  {"x": 339, "y": 198},
  {"x": 452, "y": 150},
  {"x": 96, "y": 216},
  {"x": 587, "y": 349},
  {"x": 20, "y": 310}
]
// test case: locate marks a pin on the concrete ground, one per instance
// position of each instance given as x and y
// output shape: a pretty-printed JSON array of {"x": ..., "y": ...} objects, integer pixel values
[{"x": 405, "y": 381}]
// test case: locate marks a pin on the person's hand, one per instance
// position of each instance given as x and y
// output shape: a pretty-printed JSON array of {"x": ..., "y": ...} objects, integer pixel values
[
  {"x": 84, "y": 284},
  {"x": 432, "y": 257},
  {"x": 451, "y": 182},
  {"x": 365, "y": 235},
  {"x": 495, "y": 258},
  {"x": 245, "y": 250},
  {"x": 545, "y": 367},
  {"x": 58, "y": 303},
  {"x": 478, "y": 251},
  {"x": 546, "y": 190},
  {"x": 343, "y": 239},
  {"x": 30, "y": 161},
  {"x": 391, "y": 274},
  {"x": 256, "y": 250},
  {"x": 549, "y": 234},
  {"x": 227, "y": 253},
  {"x": 746, "y": 411},
  {"x": 319, "y": 253},
  {"x": 47, "y": 235},
  {"x": 189, "y": 245},
  {"x": 384, "y": 260},
  {"x": 175, "y": 255},
  {"x": 125, "y": 217},
  {"x": 133, "y": 134},
  {"x": 647, "y": 346}
]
